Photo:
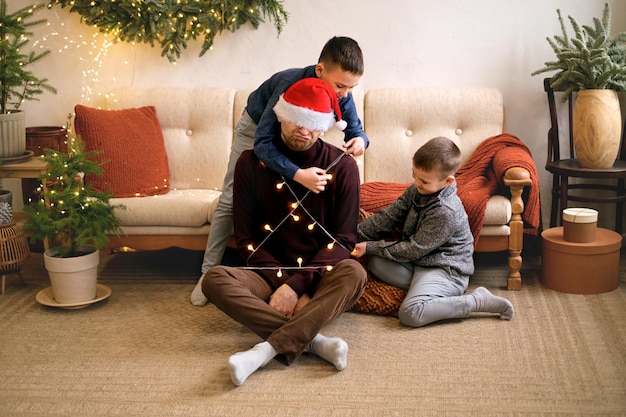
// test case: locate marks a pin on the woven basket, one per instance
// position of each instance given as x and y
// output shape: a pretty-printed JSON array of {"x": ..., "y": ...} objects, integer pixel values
[{"x": 14, "y": 250}]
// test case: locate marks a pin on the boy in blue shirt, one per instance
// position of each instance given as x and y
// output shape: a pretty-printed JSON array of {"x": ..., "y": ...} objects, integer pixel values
[{"x": 341, "y": 66}]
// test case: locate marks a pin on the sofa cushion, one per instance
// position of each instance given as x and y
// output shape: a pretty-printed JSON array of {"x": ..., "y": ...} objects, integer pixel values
[
  {"x": 180, "y": 208},
  {"x": 197, "y": 126},
  {"x": 132, "y": 154}
]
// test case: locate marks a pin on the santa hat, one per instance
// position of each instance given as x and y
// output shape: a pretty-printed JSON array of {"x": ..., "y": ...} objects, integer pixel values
[{"x": 310, "y": 103}]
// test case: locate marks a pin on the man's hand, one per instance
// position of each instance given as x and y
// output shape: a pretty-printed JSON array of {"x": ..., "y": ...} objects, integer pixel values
[
  {"x": 359, "y": 250},
  {"x": 302, "y": 301},
  {"x": 355, "y": 146},
  {"x": 284, "y": 300},
  {"x": 315, "y": 179}
]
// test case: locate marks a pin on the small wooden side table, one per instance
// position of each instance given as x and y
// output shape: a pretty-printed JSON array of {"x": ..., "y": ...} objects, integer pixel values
[{"x": 32, "y": 168}]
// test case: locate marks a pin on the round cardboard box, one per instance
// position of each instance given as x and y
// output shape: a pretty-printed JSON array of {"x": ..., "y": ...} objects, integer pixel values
[
  {"x": 580, "y": 224},
  {"x": 580, "y": 268}
]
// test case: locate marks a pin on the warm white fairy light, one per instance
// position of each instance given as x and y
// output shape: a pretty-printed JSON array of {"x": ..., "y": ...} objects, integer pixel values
[
  {"x": 90, "y": 51},
  {"x": 296, "y": 217}
]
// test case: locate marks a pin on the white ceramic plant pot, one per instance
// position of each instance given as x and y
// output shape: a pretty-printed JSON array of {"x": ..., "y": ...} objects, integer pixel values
[
  {"x": 12, "y": 135},
  {"x": 74, "y": 280}
]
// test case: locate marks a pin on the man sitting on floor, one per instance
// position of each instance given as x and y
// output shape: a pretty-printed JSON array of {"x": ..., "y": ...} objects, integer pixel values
[{"x": 298, "y": 275}]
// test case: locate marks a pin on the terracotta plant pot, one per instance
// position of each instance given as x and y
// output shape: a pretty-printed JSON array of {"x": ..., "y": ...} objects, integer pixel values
[
  {"x": 597, "y": 128},
  {"x": 74, "y": 280}
]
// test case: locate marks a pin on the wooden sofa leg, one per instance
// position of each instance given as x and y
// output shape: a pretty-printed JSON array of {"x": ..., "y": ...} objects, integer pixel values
[
  {"x": 515, "y": 277},
  {"x": 516, "y": 240},
  {"x": 516, "y": 179}
]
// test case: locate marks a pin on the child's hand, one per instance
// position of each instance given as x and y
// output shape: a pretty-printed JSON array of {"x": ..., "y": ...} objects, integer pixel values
[
  {"x": 315, "y": 179},
  {"x": 359, "y": 250},
  {"x": 355, "y": 146}
]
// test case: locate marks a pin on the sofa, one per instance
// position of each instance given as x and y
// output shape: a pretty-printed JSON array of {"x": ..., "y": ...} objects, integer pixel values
[{"x": 197, "y": 128}]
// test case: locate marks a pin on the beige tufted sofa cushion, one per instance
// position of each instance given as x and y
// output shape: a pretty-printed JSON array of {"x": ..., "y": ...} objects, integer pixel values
[{"x": 198, "y": 128}]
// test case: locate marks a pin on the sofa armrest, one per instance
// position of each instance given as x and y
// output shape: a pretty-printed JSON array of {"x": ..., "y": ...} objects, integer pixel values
[{"x": 516, "y": 179}]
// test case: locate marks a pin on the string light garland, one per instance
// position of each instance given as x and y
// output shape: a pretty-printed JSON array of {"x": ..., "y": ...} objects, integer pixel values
[
  {"x": 290, "y": 215},
  {"x": 172, "y": 23}
]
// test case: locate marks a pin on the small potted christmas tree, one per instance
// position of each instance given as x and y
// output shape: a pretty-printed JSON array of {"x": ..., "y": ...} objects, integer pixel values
[{"x": 74, "y": 218}]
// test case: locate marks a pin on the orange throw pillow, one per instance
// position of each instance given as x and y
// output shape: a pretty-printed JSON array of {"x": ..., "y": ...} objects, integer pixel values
[{"x": 133, "y": 154}]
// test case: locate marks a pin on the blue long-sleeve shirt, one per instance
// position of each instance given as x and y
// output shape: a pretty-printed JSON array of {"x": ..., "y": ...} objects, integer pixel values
[{"x": 260, "y": 107}]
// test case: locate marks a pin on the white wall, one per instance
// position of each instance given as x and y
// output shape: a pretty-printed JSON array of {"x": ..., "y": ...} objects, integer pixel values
[{"x": 405, "y": 42}]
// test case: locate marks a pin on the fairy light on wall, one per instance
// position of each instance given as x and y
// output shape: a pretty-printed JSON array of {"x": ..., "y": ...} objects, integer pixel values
[{"x": 89, "y": 50}]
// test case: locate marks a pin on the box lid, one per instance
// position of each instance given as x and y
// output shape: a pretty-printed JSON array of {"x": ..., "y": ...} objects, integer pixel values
[
  {"x": 580, "y": 215},
  {"x": 607, "y": 241}
]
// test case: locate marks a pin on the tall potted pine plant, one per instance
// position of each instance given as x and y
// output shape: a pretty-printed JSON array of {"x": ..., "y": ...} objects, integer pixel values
[
  {"x": 593, "y": 63},
  {"x": 74, "y": 218},
  {"x": 17, "y": 81}
]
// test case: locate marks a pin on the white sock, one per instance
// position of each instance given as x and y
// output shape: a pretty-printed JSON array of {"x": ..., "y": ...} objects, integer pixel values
[
  {"x": 197, "y": 296},
  {"x": 486, "y": 302},
  {"x": 331, "y": 349},
  {"x": 243, "y": 364}
]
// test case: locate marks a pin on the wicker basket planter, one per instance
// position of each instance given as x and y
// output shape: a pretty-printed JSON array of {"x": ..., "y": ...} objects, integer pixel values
[{"x": 14, "y": 250}]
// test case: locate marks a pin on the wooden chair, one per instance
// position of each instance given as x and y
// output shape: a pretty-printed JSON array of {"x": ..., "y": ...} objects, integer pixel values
[{"x": 607, "y": 184}]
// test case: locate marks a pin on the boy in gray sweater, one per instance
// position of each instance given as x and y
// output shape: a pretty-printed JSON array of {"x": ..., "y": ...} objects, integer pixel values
[{"x": 432, "y": 259}]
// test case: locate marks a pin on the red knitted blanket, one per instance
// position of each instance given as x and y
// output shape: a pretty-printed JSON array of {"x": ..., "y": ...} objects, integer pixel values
[
  {"x": 480, "y": 176},
  {"x": 477, "y": 180}
]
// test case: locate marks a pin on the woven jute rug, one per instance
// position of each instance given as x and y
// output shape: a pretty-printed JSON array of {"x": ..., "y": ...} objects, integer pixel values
[{"x": 146, "y": 351}]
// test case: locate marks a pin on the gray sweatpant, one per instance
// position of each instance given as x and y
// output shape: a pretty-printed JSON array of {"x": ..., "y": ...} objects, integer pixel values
[
  {"x": 432, "y": 293},
  {"x": 222, "y": 221}
]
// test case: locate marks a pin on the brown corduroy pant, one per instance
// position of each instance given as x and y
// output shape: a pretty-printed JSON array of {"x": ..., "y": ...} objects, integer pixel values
[{"x": 243, "y": 295}]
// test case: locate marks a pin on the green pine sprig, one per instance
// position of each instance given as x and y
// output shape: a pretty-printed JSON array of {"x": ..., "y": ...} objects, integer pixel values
[
  {"x": 171, "y": 24},
  {"x": 17, "y": 82},
  {"x": 591, "y": 59}
]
